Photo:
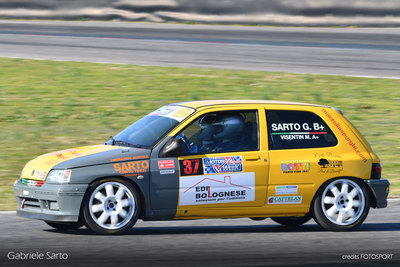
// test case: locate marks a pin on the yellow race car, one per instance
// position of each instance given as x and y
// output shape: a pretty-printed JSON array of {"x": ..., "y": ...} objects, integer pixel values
[{"x": 211, "y": 159}]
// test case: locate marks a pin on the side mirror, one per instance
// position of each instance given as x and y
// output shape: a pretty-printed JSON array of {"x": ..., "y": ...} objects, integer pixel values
[{"x": 172, "y": 148}]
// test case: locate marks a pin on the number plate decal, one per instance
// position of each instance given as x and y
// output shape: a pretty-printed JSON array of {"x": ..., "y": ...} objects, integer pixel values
[{"x": 191, "y": 167}]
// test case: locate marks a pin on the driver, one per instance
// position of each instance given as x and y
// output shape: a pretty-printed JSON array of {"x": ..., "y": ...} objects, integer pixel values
[{"x": 223, "y": 133}]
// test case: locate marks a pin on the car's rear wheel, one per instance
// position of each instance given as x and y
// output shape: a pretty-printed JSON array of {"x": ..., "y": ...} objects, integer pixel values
[
  {"x": 342, "y": 204},
  {"x": 258, "y": 218},
  {"x": 111, "y": 206},
  {"x": 65, "y": 225},
  {"x": 292, "y": 220}
]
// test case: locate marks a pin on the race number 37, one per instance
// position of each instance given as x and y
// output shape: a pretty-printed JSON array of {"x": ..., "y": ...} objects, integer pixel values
[{"x": 191, "y": 167}]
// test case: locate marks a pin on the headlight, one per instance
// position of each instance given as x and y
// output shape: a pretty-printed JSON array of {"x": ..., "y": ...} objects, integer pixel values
[{"x": 59, "y": 176}]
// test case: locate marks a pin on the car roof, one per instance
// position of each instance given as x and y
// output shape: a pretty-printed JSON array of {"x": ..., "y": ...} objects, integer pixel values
[{"x": 205, "y": 103}]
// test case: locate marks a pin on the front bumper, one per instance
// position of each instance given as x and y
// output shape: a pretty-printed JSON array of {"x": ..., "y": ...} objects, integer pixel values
[
  {"x": 380, "y": 189},
  {"x": 50, "y": 202}
]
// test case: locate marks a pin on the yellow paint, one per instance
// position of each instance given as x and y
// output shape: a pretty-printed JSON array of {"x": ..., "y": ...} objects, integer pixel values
[
  {"x": 352, "y": 156},
  {"x": 38, "y": 168}
]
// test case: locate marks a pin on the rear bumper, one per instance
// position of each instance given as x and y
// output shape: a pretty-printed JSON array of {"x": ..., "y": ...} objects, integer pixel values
[
  {"x": 380, "y": 189},
  {"x": 50, "y": 202}
]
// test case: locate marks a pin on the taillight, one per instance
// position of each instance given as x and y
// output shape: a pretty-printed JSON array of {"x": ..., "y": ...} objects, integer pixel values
[{"x": 376, "y": 171}]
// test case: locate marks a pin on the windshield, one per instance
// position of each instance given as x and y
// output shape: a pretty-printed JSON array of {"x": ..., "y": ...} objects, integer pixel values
[{"x": 147, "y": 131}]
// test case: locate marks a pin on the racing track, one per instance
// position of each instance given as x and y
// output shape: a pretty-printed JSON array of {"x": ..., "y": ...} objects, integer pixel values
[
  {"x": 240, "y": 242},
  {"x": 233, "y": 242},
  {"x": 344, "y": 51}
]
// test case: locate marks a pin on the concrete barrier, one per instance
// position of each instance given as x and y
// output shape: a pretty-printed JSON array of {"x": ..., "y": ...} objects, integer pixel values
[{"x": 271, "y": 12}]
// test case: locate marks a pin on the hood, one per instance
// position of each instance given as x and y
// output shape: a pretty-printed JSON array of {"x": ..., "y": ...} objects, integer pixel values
[{"x": 38, "y": 168}]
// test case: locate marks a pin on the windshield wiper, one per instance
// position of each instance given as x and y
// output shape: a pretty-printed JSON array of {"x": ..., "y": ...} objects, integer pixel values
[
  {"x": 120, "y": 142},
  {"x": 113, "y": 140}
]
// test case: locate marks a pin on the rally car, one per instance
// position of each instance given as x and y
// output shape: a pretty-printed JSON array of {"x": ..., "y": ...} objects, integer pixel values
[{"x": 211, "y": 159}]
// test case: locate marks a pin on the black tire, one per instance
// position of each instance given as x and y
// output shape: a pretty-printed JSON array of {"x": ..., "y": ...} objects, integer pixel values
[
  {"x": 341, "y": 204},
  {"x": 107, "y": 210},
  {"x": 258, "y": 218},
  {"x": 292, "y": 220},
  {"x": 65, "y": 225}
]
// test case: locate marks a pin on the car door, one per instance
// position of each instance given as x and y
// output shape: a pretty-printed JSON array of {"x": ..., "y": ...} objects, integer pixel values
[
  {"x": 223, "y": 170},
  {"x": 302, "y": 149}
]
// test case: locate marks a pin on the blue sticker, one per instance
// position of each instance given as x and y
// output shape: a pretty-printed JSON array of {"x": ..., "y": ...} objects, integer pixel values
[{"x": 223, "y": 164}]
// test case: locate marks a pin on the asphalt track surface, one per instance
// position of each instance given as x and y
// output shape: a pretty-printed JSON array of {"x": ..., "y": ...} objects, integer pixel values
[
  {"x": 371, "y": 52},
  {"x": 212, "y": 242}
]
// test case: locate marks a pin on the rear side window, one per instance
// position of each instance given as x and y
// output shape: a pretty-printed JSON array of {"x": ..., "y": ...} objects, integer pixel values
[{"x": 289, "y": 129}]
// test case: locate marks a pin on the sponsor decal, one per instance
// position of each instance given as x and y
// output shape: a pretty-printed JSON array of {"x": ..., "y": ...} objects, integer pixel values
[
  {"x": 285, "y": 200},
  {"x": 130, "y": 158},
  {"x": 345, "y": 136},
  {"x": 330, "y": 166},
  {"x": 295, "y": 166},
  {"x": 285, "y": 189},
  {"x": 297, "y": 131},
  {"x": 191, "y": 167},
  {"x": 328, "y": 155},
  {"x": 166, "y": 164},
  {"x": 170, "y": 171},
  {"x": 203, "y": 189},
  {"x": 132, "y": 168},
  {"x": 223, "y": 164}
]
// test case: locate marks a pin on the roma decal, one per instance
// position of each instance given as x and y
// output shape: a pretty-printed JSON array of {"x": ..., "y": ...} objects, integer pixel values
[
  {"x": 223, "y": 164},
  {"x": 214, "y": 189},
  {"x": 191, "y": 167},
  {"x": 132, "y": 168}
]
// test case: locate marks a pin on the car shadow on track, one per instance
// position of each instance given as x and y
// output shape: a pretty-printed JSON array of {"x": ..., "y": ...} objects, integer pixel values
[{"x": 184, "y": 230}]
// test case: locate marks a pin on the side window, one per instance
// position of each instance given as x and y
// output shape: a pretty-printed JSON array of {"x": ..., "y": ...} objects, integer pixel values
[
  {"x": 225, "y": 131},
  {"x": 297, "y": 129}
]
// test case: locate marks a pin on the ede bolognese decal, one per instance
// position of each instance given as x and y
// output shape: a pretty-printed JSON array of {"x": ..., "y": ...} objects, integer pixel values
[{"x": 204, "y": 189}]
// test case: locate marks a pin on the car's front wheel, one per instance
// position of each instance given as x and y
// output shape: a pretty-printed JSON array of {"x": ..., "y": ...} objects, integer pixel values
[
  {"x": 111, "y": 206},
  {"x": 342, "y": 204},
  {"x": 65, "y": 225}
]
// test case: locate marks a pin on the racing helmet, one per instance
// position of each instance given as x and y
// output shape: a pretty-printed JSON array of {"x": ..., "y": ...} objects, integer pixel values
[{"x": 229, "y": 126}]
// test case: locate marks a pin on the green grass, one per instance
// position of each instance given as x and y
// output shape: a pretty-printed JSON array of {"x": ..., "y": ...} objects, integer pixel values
[{"x": 49, "y": 105}]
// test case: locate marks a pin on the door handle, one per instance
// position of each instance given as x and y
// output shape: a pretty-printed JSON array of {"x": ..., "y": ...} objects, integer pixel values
[{"x": 252, "y": 157}]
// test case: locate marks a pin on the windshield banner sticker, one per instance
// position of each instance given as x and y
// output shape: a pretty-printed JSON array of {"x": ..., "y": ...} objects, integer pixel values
[
  {"x": 223, "y": 164},
  {"x": 197, "y": 190},
  {"x": 177, "y": 113}
]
